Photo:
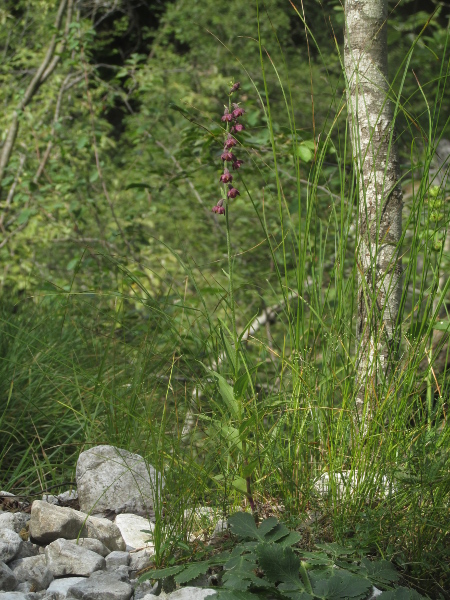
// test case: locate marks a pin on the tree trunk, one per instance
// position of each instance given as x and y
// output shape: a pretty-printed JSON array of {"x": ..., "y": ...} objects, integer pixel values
[{"x": 380, "y": 197}]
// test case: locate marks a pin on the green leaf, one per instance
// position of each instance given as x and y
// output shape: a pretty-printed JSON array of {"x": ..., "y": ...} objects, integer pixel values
[
  {"x": 277, "y": 533},
  {"x": 192, "y": 571},
  {"x": 161, "y": 573},
  {"x": 268, "y": 525},
  {"x": 224, "y": 594},
  {"x": 227, "y": 393},
  {"x": 72, "y": 264},
  {"x": 280, "y": 564},
  {"x": 336, "y": 550},
  {"x": 243, "y": 525},
  {"x": 304, "y": 153},
  {"x": 401, "y": 593},
  {"x": 24, "y": 216},
  {"x": 442, "y": 325},
  {"x": 379, "y": 571},
  {"x": 292, "y": 538},
  {"x": 239, "y": 484},
  {"x": 341, "y": 586}
]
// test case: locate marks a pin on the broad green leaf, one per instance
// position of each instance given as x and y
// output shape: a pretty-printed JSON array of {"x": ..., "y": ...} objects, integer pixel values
[
  {"x": 401, "y": 593},
  {"x": 337, "y": 550},
  {"x": 236, "y": 582},
  {"x": 192, "y": 571},
  {"x": 267, "y": 525},
  {"x": 280, "y": 564},
  {"x": 277, "y": 533},
  {"x": 239, "y": 484},
  {"x": 161, "y": 573},
  {"x": 341, "y": 586},
  {"x": 379, "y": 571},
  {"x": 292, "y": 538},
  {"x": 225, "y": 594},
  {"x": 304, "y": 153},
  {"x": 294, "y": 593},
  {"x": 442, "y": 325},
  {"x": 243, "y": 525},
  {"x": 227, "y": 393}
]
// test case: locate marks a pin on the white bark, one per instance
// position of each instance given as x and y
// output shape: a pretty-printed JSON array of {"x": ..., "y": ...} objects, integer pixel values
[{"x": 380, "y": 196}]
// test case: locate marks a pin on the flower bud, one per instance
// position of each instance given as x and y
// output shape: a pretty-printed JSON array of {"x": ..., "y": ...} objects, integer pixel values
[
  {"x": 228, "y": 156},
  {"x": 233, "y": 192},
  {"x": 226, "y": 177},
  {"x": 229, "y": 142}
]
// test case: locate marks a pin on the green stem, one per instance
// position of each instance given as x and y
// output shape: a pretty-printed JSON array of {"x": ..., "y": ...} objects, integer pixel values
[{"x": 231, "y": 290}]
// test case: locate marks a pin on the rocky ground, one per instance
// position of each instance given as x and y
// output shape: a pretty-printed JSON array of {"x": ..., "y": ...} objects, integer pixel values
[{"x": 49, "y": 550}]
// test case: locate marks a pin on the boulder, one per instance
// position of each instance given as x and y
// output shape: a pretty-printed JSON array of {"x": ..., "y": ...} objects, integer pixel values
[
  {"x": 113, "y": 479},
  {"x": 132, "y": 528},
  {"x": 117, "y": 559},
  {"x": 140, "y": 560},
  {"x": 190, "y": 593},
  {"x": 101, "y": 587},
  {"x": 92, "y": 544},
  {"x": 27, "y": 549},
  {"x": 346, "y": 482},
  {"x": 18, "y": 596},
  {"x": 65, "y": 558},
  {"x": 15, "y": 521},
  {"x": 49, "y": 523},
  {"x": 58, "y": 589},
  {"x": 105, "y": 531},
  {"x": 10, "y": 543},
  {"x": 8, "y": 581},
  {"x": 32, "y": 570}
]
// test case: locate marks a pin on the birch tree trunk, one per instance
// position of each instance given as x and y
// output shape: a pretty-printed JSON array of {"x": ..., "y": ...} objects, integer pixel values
[{"x": 380, "y": 197}]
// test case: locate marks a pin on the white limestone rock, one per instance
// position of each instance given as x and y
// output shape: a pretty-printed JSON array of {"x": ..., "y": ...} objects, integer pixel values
[
  {"x": 346, "y": 482},
  {"x": 92, "y": 544},
  {"x": 117, "y": 559},
  {"x": 140, "y": 560},
  {"x": 49, "y": 523},
  {"x": 190, "y": 593},
  {"x": 101, "y": 586},
  {"x": 10, "y": 543},
  {"x": 18, "y": 596},
  {"x": 32, "y": 570},
  {"x": 105, "y": 531},
  {"x": 132, "y": 528},
  {"x": 27, "y": 549},
  {"x": 14, "y": 521},
  {"x": 8, "y": 581},
  {"x": 113, "y": 479},
  {"x": 65, "y": 558},
  {"x": 59, "y": 588}
]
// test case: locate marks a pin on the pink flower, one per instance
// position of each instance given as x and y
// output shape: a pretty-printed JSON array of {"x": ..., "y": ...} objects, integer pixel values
[
  {"x": 227, "y": 116},
  {"x": 220, "y": 210},
  {"x": 226, "y": 177},
  {"x": 237, "y": 112},
  {"x": 235, "y": 87},
  {"x": 232, "y": 192},
  {"x": 229, "y": 142},
  {"x": 237, "y": 127},
  {"x": 228, "y": 156},
  {"x": 237, "y": 164}
]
